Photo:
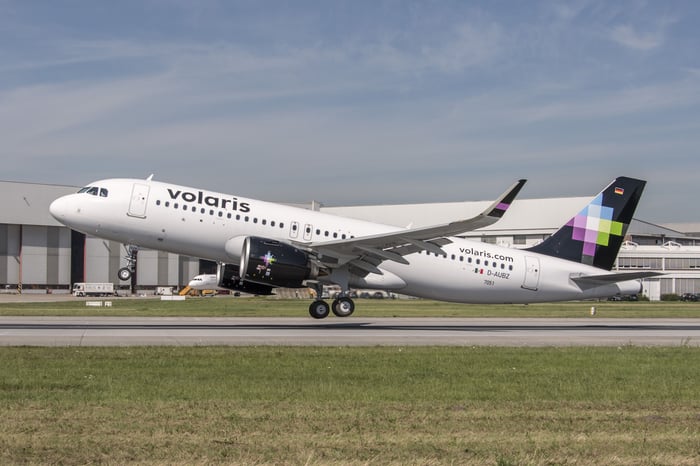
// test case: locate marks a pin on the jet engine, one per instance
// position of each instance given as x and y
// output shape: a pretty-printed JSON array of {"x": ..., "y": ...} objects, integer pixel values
[
  {"x": 227, "y": 276},
  {"x": 273, "y": 263}
]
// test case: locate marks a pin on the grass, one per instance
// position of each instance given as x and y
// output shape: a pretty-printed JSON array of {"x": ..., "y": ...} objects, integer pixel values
[
  {"x": 414, "y": 405},
  {"x": 266, "y": 307},
  {"x": 367, "y": 405}
]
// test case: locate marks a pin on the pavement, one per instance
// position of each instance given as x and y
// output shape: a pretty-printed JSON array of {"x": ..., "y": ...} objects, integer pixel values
[{"x": 352, "y": 331}]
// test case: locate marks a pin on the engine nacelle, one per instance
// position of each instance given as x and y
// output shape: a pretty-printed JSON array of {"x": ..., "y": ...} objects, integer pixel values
[
  {"x": 227, "y": 276},
  {"x": 271, "y": 262}
]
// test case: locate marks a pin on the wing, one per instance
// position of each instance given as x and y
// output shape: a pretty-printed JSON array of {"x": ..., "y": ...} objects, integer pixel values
[{"x": 367, "y": 252}]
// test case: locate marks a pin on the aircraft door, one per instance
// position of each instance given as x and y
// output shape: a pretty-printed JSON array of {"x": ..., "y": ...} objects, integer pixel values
[
  {"x": 294, "y": 230},
  {"x": 532, "y": 273},
  {"x": 307, "y": 232},
  {"x": 139, "y": 200}
]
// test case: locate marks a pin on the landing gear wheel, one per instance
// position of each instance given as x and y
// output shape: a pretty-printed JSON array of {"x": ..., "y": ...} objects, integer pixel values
[
  {"x": 343, "y": 307},
  {"x": 124, "y": 274},
  {"x": 319, "y": 309}
]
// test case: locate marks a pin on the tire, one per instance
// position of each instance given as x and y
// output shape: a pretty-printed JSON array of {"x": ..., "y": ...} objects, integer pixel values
[
  {"x": 319, "y": 309},
  {"x": 124, "y": 274},
  {"x": 343, "y": 307}
]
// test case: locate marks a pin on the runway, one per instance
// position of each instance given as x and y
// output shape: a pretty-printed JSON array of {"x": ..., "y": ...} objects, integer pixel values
[{"x": 130, "y": 331}]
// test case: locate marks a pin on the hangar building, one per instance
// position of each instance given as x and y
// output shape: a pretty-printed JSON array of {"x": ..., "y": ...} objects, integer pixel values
[{"x": 38, "y": 254}]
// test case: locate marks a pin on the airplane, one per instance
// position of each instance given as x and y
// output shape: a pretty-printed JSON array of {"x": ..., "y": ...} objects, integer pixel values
[
  {"x": 207, "y": 281},
  {"x": 260, "y": 245}
]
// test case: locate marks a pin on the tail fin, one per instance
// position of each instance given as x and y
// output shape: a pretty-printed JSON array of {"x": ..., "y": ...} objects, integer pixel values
[{"x": 595, "y": 235}]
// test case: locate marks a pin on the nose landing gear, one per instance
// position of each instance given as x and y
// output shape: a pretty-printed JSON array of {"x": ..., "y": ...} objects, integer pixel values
[{"x": 125, "y": 273}]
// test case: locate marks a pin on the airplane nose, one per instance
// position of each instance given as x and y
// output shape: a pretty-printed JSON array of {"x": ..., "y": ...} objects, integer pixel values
[
  {"x": 58, "y": 208},
  {"x": 55, "y": 209}
]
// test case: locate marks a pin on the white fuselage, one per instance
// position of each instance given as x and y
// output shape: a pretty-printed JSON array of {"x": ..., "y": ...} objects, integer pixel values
[
  {"x": 212, "y": 225},
  {"x": 204, "y": 282}
]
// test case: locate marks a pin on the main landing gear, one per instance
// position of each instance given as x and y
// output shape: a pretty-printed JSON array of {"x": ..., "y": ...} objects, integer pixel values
[
  {"x": 125, "y": 273},
  {"x": 342, "y": 307}
]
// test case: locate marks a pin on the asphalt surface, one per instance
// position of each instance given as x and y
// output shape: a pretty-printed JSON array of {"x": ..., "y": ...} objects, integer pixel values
[{"x": 352, "y": 331}]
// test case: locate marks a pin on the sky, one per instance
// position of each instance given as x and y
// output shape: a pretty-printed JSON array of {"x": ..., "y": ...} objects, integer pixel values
[{"x": 357, "y": 102}]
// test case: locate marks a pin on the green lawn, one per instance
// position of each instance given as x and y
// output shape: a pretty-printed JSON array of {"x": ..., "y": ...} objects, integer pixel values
[
  {"x": 413, "y": 405},
  {"x": 267, "y": 307}
]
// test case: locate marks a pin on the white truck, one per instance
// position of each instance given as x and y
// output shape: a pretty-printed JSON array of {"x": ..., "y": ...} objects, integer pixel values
[{"x": 93, "y": 289}]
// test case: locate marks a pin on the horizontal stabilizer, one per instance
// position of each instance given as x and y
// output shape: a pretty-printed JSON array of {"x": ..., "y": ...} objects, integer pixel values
[{"x": 593, "y": 281}]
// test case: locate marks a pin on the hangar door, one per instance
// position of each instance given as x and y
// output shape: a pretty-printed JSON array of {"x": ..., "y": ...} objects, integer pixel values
[{"x": 139, "y": 198}]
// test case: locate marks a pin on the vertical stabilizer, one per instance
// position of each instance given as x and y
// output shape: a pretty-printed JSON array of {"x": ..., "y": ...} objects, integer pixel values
[{"x": 595, "y": 235}]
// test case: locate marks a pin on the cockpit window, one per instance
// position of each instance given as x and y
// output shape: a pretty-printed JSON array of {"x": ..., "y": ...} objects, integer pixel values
[{"x": 95, "y": 191}]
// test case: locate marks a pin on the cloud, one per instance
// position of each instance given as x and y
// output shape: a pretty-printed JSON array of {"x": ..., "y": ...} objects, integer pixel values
[
  {"x": 626, "y": 36},
  {"x": 651, "y": 38}
]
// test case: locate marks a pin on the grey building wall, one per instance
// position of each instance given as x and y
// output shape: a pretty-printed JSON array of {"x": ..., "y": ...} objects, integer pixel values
[
  {"x": 101, "y": 260},
  {"x": 34, "y": 255},
  {"x": 28, "y": 203},
  {"x": 9, "y": 254},
  {"x": 157, "y": 268},
  {"x": 187, "y": 267}
]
